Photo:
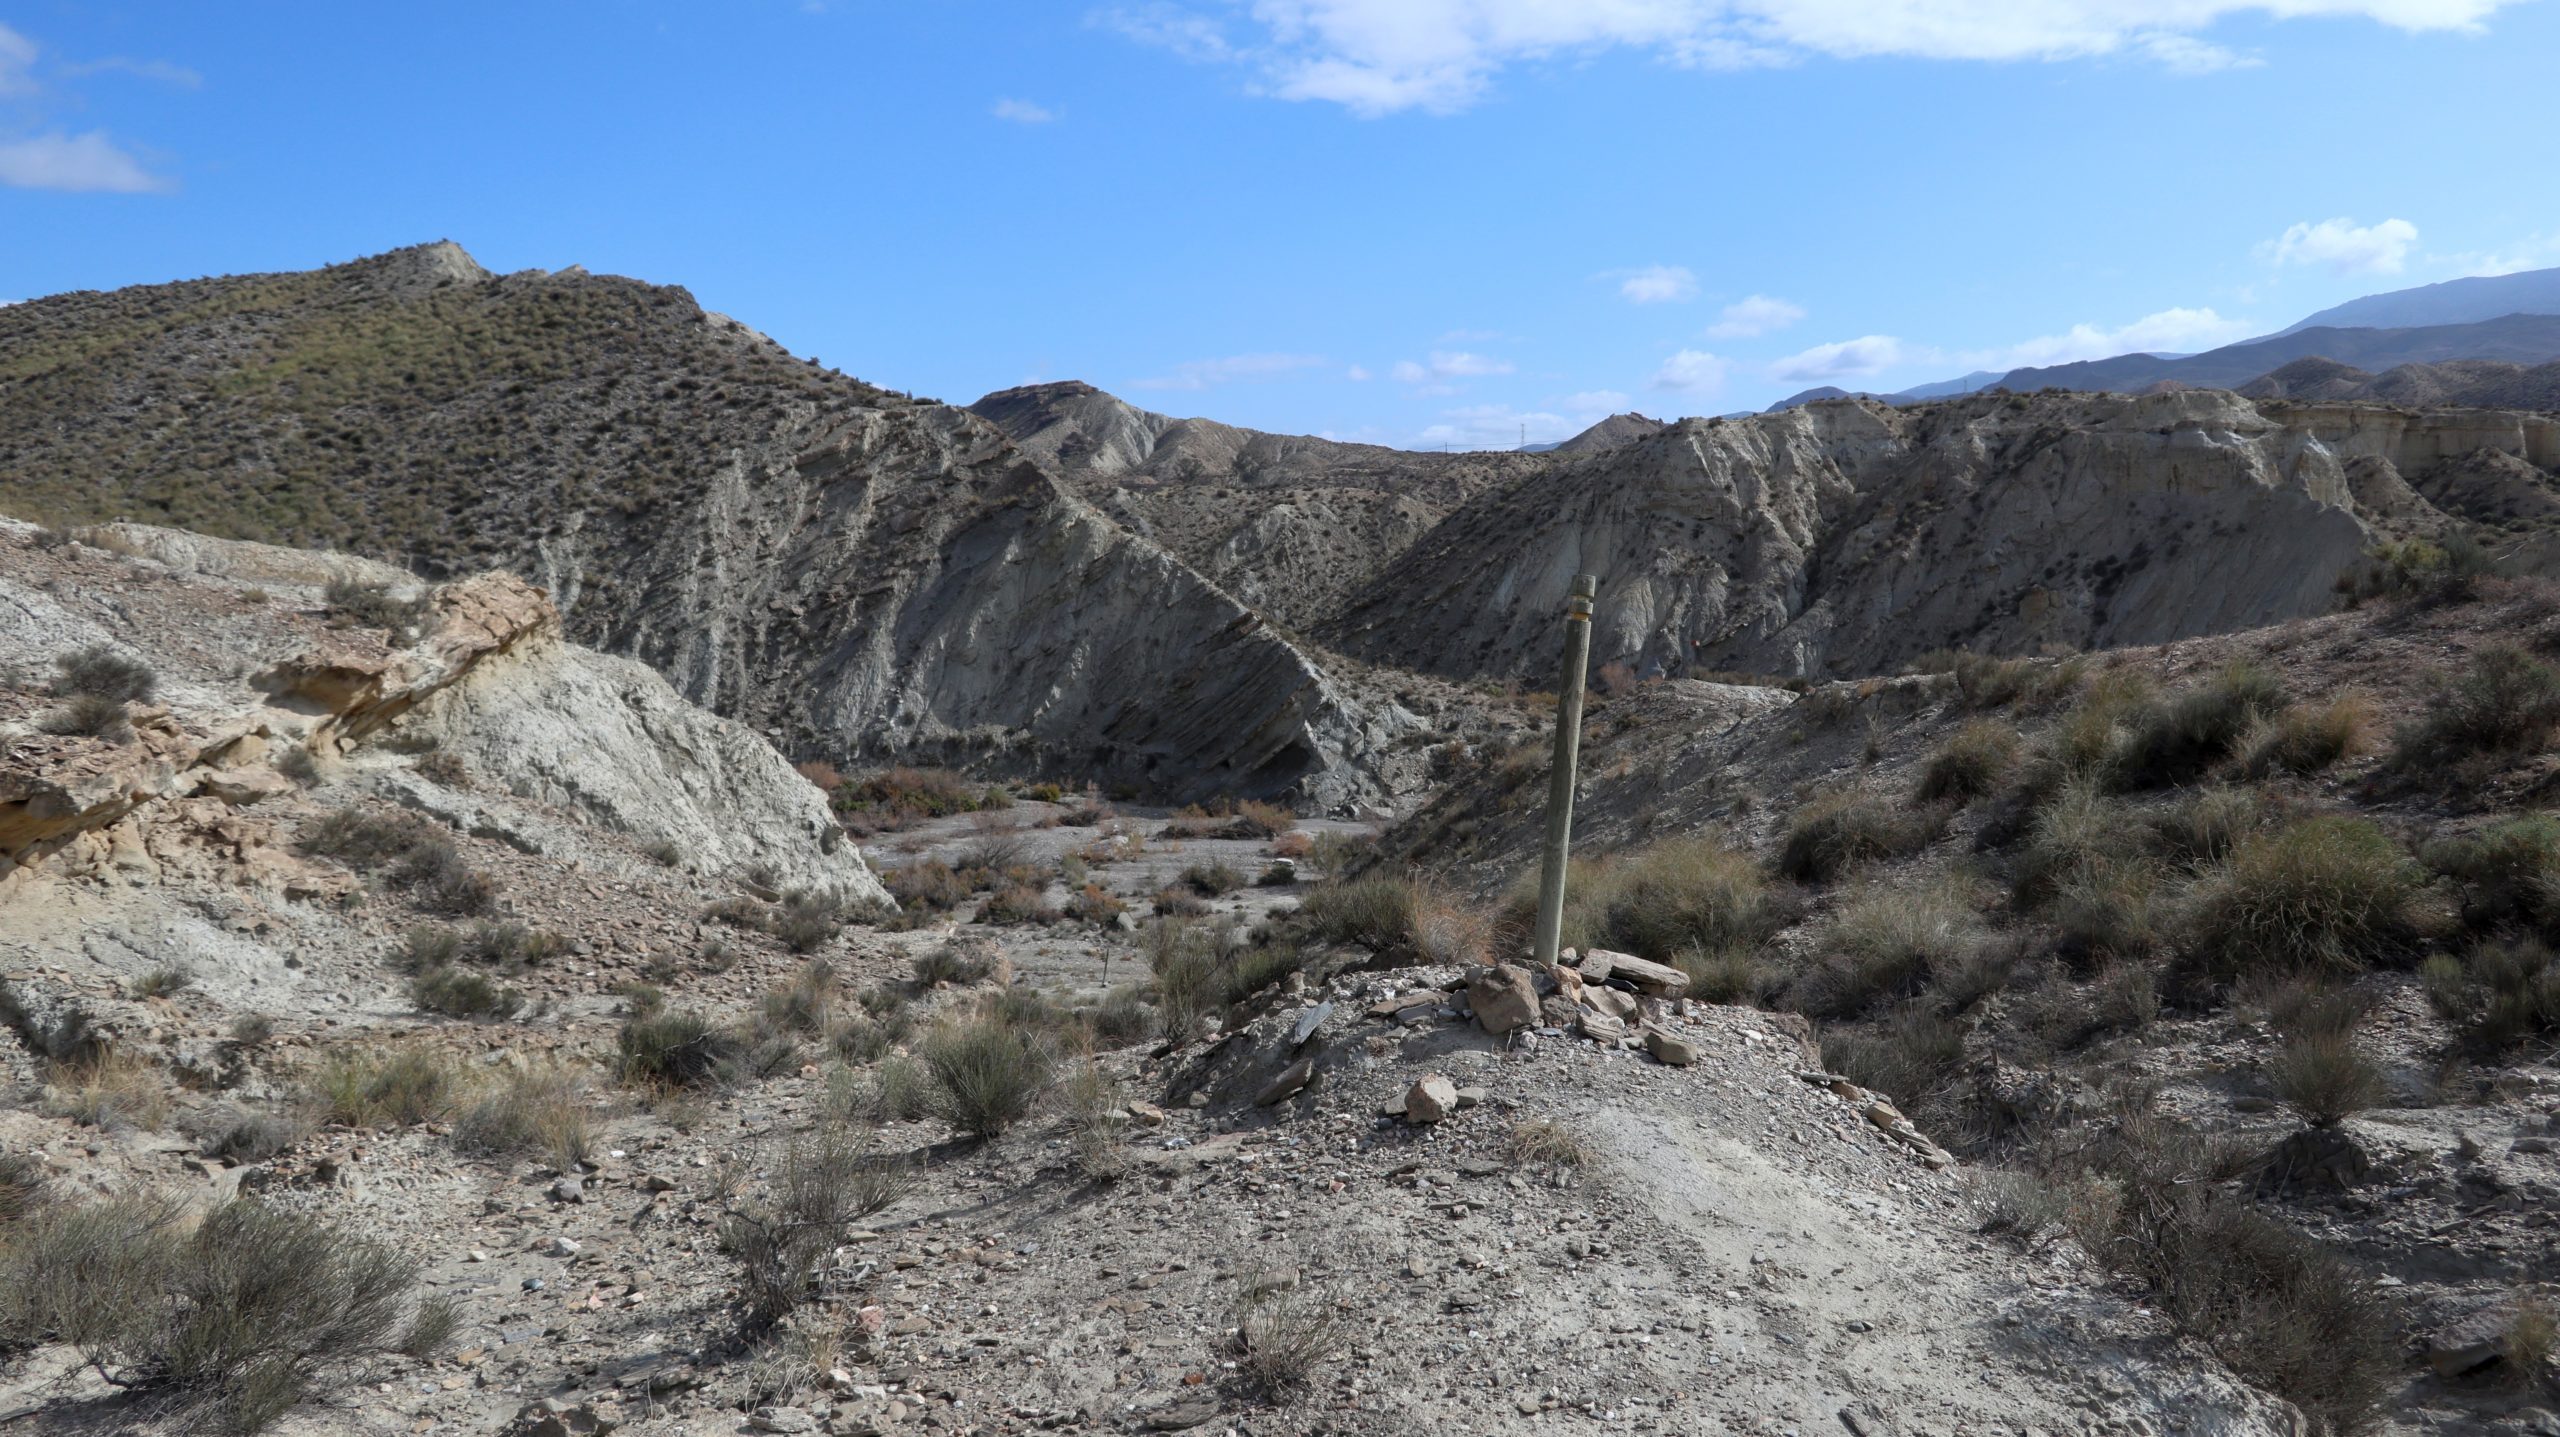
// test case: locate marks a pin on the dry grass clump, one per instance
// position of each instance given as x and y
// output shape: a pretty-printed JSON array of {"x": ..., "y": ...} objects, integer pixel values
[
  {"x": 903, "y": 797},
  {"x": 544, "y": 1110},
  {"x": 1545, "y": 1142},
  {"x": 224, "y": 1326},
  {"x": 108, "y": 1088},
  {"x": 2329, "y": 892},
  {"x": 2178, "y": 739},
  {"x": 1971, "y": 763},
  {"x": 1197, "y": 972},
  {"x": 387, "y": 1087},
  {"x": 678, "y": 1048},
  {"x": 1372, "y": 913},
  {"x": 2500, "y": 994},
  {"x": 807, "y": 922},
  {"x": 167, "y": 982},
  {"x": 2505, "y": 702},
  {"x": 1886, "y": 944},
  {"x": 2325, "y": 1078},
  {"x": 2305, "y": 739},
  {"x": 1097, "y": 1117},
  {"x": 1907, "y": 1057},
  {"x": 1661, "y": 901},
  {"x": 953, "y": 964},
  {"x": 2018, "y": 1205},
  {"x": 1212, "y": 880},
  {"x": 461, "y": 993},
  {"x": 1840, "y": 832},
  {"x": 1285, "y": 1332},
  {"x": 411, "y": 856},
  {"x": 371, "y": 605}
]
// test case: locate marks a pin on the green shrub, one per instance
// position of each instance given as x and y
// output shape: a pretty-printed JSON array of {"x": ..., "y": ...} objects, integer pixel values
[
  {"x": 1971, "y": 763},
  {"x": 2329, "y": 892},
  {"x": 1840, "y": 832},
  {"x": 2505, "y": 702},
  {"x": 461, "y": 993},
  {"x": 808, "y": 922},
  {"x": 2175, "y": 740},
  {"x": 988, "y": 1070}
]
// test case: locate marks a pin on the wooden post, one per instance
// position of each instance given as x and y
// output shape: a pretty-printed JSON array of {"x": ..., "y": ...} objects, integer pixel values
[{"x": 1577, "y": 657}]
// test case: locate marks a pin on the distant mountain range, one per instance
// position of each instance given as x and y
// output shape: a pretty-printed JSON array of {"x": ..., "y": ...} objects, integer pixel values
[{"x": 2507, "y": 319}]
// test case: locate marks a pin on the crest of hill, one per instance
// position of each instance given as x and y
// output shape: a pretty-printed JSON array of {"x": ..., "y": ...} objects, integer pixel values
[
  {"x": 1851, "y": 536},
  {"x": 2478, "y": 384},
  {"x": 789, "y": 545}
]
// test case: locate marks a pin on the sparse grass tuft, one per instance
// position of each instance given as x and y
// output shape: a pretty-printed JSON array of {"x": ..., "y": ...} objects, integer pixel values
[
  {"x": 1545, "y": 1142},
  {"x": 1285, "y": 1334},
  {"x": 989, "y": 1071},
  {"x": 2325, "y": 1078},
  {"x": 677, "y": 1047},
  {"x": 2305, "y": 739},
  {"x": 163, "y": 983},
  {"x": 386, "y": 1087},
  {"x": 544, "y": 1111},
  {"x": 2177, "y": 739},
  {"x": 1887, "y": 944},
  {"x": 462, "y": 993}
]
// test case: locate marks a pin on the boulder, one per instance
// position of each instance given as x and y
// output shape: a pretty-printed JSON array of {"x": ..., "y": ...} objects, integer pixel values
[
  {"x": 1668, "y": 1050},
  {"x": 1658, "y": 980},
  {"x": 1504, "y": 998},
  {"x": 2475, "y": 1339},
  {"x": 1431, "y": 1099},
  {"x": 1287, "y": 1083}
]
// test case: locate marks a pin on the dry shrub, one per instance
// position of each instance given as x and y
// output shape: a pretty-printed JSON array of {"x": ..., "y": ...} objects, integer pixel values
[
  {"x": 460, "y": 993},
  {"x": 989, "y": 1070},
  {"x": 1725, "y": 975},
  {"x": 1097, "y": 1117},
  {"x": 825, "y": 1184},
  {"x": 88, "y": 716},
  {"x": 950, "y": 963},
  {"x": 227, "y": 1325},
  {"x": 2018, "y": 1205},
  {"x": 1988, "y": 682},
  {"x": 929, "y": 884},
  {"x": 109, "y": 1088},
  {"x": 807, "y": 922},
  {"x": 1545, "y": 1142},
  {"x": 2505, "y": 701},
  {"x": 1372, "y": 913},
  {"x": 98, "y": 671},
  {"x": 678, "y": 1048},
  {"x": 2509, "y": 871},
  {"x": 1293, "y": 846},
  {"x": 1661, "y": 901},
  {"x": 1212, "y": 880},
  {"x": 2328, "y": 892},
  {"x": 2177, "y": 739},
  {"x": 2499, "y": 994},
  {"x": 1907, "y": 1057}
]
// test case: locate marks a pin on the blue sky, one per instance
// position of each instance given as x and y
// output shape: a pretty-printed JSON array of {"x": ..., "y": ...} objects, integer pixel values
[{"x": 1409, "y": 221}]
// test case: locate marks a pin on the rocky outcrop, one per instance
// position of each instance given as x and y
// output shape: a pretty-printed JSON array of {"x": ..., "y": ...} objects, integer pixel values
[
  {"x": 574, "y": 737},
  {"x": 1849, "y": 537}
]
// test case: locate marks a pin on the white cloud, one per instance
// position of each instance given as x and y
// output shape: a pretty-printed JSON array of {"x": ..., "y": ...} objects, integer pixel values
[
  {"x": 1203, "y": 373},
  {"x": 2344, "y": 246},
  {"x": 1845, "y": 359},
  {"x": 1023, "y": 112},
  {"x": 1691, "y": 371},
  {"x": 1377, "y": 57},
  {"x": 89, "y": 162},
  {"x": 2170, "y": 331},
  {"x": 1655, "y": 284},
  {"x": 1357, "y": 374},
  {"x": 1754, "y": 316},
  {"x": 1446, "y": 365}
]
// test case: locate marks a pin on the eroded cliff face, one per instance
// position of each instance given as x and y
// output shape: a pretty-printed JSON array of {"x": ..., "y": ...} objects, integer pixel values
[
  {"x": 908, "y": 586},
  {"x": 1850, "y": 537}
]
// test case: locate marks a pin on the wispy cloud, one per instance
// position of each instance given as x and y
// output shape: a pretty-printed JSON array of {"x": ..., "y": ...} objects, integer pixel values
[
  {"x": 1754, "y": 316},
  {"x": 78, "y": 163},
  {"x": 17, "y": 64},
  {"x": 1449, "y": 364},
  {"x": 2538, "y": 251},
  {"x": 1379, "y": 57},
  {"x": 2169, "y": 330},
  {"x": 1024, "y": 112},
  {"x": 2344, "y": 246},
  {"x": 1206, "y": 373},
  {"x": 1655, "y": 284}
]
